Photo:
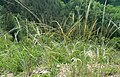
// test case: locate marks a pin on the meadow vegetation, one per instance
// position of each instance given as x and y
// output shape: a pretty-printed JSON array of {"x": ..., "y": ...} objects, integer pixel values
[{"x": 59, "y": 38}]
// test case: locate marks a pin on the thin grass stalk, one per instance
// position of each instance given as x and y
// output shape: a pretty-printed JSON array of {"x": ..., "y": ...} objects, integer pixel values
[
  {"x": 26, "y": 27},
  {"x": 107, "y": 29},
  {"x": 73, "y": 27},
  {"x": 28, "y": 10},
  {"x": 65, "y": 22},
  {"x": 16, "y": 34},
  {"x": 60, "y": 27},
  {"x": 98, "y": 31},
  {"x": 86, "y": 17},
  {"x": 19, "y": 26},
  {"x": 90, "y": 33},
  {"x": 103, "y": 18},
  {"x": 114, "y": 25},
  {"x": 109, "y": 32},
  {"x": 18, "y": 23}
]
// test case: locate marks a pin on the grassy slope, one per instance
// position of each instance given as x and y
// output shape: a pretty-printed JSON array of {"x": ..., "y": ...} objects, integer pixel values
[{"x": 51, "y": 54}]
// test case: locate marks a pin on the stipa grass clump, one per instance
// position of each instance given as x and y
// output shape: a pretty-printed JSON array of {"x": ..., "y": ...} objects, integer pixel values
[{"x": 77, "y": 58}]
